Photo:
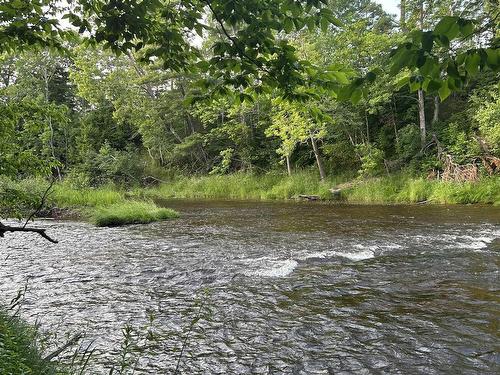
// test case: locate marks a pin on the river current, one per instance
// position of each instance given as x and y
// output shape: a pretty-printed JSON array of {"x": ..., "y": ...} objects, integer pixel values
[{"x": 270, "y": 288}]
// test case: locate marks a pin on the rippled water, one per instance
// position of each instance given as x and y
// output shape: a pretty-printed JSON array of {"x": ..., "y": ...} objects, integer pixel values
[{"x": 284, "y": 288}]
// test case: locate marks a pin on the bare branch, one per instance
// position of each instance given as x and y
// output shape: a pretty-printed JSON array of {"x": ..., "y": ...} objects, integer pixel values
[
  {"x": 40, "y": 231},
  {"x": 42, "y": 202}
]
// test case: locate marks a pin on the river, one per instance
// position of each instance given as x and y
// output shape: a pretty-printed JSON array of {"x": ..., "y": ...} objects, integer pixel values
[{"x": 271, "y": 288}]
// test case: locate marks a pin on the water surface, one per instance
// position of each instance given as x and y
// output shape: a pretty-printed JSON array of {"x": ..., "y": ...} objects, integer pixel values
[{"x": 284, "y": 288}]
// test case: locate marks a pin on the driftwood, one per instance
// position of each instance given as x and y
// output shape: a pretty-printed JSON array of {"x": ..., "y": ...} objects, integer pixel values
[
  {"x": 40, "y": 231},
  {"x": 310, "y": 197},
  {"x": 461, "y": 172}
]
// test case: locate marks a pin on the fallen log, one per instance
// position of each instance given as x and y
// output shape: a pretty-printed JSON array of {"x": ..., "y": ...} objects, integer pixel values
[{"x": 310, "y": 197}]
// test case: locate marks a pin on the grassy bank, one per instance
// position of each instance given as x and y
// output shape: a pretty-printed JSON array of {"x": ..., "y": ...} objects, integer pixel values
[
  {"x": 384, "y": 190},
  {"x": 244, "y": 186},
  {"x": 18, "y": 351},
  {"x": 399, "y": 189},
  {"x": 107, "y": 206}
]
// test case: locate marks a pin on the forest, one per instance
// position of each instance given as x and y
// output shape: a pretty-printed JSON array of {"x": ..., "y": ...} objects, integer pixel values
[
  {"x": 109, "y": 109},
  {"x": 356, "y": 108}
]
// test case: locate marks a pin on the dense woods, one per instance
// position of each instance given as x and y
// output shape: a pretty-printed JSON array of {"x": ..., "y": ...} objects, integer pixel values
[
  {"x": 132, "y": 94},
  {"x": 92, "y": 116}
]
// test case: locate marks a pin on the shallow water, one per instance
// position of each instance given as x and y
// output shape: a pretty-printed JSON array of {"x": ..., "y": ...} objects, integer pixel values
[{"x": 284, "y": 288}]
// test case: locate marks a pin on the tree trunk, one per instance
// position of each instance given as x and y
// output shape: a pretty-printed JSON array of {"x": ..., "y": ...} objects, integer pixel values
[
  {"x": 435, "y": 116},
  {"x": 402, "y": 15},
  {"x": 318, "y": 158},
  {"x": 421, "y": 116},
  {"x": 394, "y": 111},
  {"x": 288, "y": 165},
  {"x": 367, "y": 127}
]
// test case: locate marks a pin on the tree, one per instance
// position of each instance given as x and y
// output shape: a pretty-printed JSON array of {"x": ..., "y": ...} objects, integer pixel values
[{"x": 295, "y": 124}]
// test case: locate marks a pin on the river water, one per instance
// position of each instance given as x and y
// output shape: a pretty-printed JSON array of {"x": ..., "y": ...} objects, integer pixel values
[{"x": 271, "y": 288}]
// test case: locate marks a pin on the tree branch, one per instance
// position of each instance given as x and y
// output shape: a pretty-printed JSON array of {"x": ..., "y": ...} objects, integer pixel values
[
  {"x": 41, "y": 232},
  {"x": 233, "y": 39},
  {"x": 42, "y": 203}
]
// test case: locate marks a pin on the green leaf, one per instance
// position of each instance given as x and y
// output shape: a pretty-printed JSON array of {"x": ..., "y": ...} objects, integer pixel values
[
  {"x": 340, "y": 77},
  {"x": 288, "y": 25},
  {"x": 402, "y": 82},
  {"x": 447, "y": 26},
  {"x": 356, "y": 96},
  {"x": 427, "y": 41},
  {"x": 493, "y": 57},
  {"x": 466, "y": 28},
  {"x": 324, "y": 24},
  {"x": 430, "y": 68},
  {"x": 472, "y": 63},
  {"x": 444, "y": 91}
]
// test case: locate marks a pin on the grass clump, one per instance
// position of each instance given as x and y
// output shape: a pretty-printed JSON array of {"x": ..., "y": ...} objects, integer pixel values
[
  {"x": 18, "y": 351},
  {"x": 130, "y": 212}
]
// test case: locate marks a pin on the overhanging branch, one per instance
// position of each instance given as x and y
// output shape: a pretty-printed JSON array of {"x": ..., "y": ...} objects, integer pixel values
[{"x": 40, "y": 231}]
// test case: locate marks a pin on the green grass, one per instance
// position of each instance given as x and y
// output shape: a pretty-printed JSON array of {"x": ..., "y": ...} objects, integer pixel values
[
  {"x": 242, "y": 186},
  {"x": 105, "y": 206},
  {"x": 384, "y": 190},
  {"x": 65, "y": 196},
  {"x": 18, "y": 351},
  {"x": 130, "y": 212},
  {"x": 401, "y": 189}
]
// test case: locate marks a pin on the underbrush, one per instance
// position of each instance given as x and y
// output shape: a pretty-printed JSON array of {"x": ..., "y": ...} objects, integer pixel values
[
  {"x": 131, "y": 212},
  {"x": 19, "y": 353}
]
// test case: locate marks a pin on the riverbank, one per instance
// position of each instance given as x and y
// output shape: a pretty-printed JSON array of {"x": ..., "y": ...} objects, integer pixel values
[
  {"x": 112, "y": 205},
  {"x": 19, "y": 353},
  {"x": 397, "y": 189},
  {"x": 103, "y": 206},
  {"x": 106, "y": 206}
]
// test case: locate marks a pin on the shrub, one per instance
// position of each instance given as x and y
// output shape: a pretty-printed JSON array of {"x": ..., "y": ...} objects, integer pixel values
[{"x": 372, "y": 160}]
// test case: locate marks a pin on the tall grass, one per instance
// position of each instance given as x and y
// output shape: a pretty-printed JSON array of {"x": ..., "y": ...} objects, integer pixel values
[
  {"x": 66, "y": 196},
  {"x": 130, "y": 212},
  {"x": 401, "y": 189},
  {"x": 243, "y": 186},
  {"x": 18, "y": 351},
  {"x": 385, "y": 190}
]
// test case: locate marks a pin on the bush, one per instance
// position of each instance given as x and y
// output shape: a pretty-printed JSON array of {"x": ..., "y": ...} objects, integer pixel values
[
  {"x": 110, "y": 166},
  {"x": 372, "y": 160},
  {"x": 408, "y": 142},
  {"x": 488, "y": 118}
]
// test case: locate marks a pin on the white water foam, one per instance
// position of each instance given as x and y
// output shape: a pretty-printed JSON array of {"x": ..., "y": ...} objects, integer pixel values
[
  {"x": 279, "y": 268},
  {"x": 272, "y": 267},
  {"x": 355, "y": 256},
  {"x": 475, "y": 243}
]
